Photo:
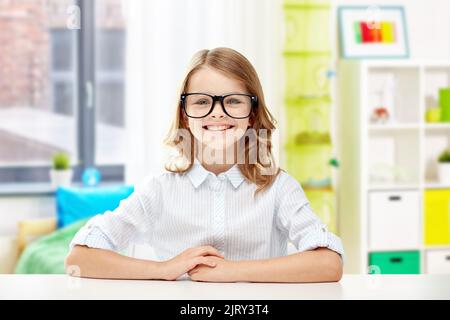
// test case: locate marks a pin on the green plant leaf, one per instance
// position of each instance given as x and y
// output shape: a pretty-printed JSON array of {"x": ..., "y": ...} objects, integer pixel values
[
  {"x": 444, "y": 156},
  {"x": 61, "y": 161}
]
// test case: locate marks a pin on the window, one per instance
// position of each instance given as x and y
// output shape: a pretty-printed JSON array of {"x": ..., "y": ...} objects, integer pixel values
[
  {"x": 37, "y": 115},
  {"x": 110, "y": 40},
  {"x": 52, "y": 99}
]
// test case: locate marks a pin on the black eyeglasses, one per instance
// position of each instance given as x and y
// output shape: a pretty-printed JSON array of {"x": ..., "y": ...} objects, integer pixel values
[{"x": 200, "y": 105}]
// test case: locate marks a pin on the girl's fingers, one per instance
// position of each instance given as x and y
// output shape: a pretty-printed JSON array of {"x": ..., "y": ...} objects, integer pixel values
[
  {"x": 205, "y": 261},
  {"x": 192, "y": 271},
  {"x": 194, "y": 263},
  {"x": 209, "y": 251}
]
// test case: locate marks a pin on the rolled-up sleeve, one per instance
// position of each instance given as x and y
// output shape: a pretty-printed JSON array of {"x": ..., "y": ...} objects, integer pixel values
[
  {"x": 130, "y": 222},
  {"x": 302, "y": 226},
  {"x": 92, "y": 237}
]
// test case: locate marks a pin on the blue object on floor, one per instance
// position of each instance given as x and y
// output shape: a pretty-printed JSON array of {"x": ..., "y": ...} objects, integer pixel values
[{"x": 73, "y": 204}]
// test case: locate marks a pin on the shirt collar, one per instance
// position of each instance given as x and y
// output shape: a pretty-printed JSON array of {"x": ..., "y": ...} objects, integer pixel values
[
  {"x": 198, "y": 174},
  {"x": 235, "y": 176}
]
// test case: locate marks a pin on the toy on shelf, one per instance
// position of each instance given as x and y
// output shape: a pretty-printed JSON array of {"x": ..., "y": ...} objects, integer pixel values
[
  {"x": 382, "y": 112},
  {"x": 433, "y": 115},
  {"x": 380, "y": 116}
]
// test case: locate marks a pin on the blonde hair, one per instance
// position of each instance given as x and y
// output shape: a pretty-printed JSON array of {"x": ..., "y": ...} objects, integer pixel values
[{"x": 234, "y": 65}]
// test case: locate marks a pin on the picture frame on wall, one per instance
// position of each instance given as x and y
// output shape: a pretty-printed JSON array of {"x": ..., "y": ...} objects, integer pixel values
[{"x": 373, "y": 32}]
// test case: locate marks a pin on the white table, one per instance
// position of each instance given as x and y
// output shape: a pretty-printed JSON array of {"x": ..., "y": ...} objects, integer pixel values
[{"x": 350, "y": 287}]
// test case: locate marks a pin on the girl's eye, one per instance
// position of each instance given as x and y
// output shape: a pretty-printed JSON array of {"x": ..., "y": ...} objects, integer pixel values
[
  {"x": 202, "y": 102},
  {"x": 234, "y": 101}
]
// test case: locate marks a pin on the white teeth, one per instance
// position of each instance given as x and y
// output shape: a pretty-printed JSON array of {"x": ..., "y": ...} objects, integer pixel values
[{"x": 218, "y": 128}]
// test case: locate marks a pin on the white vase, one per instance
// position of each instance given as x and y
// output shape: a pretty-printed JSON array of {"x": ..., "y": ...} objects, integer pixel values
[
  {"x": 61, "y": 178},
  {"x": 444, "y": 172}
]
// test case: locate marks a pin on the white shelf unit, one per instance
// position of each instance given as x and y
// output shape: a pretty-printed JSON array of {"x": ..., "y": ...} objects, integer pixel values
[{"x": 386, "y": 168}]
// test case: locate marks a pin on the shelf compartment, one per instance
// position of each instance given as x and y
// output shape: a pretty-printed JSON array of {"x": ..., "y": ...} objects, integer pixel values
[
  {"x": 435, "y": 78},
  {"x": 394, "y": 158},
  {"x": 437, "y": 139},
  {"x": 396, "y": 89}
]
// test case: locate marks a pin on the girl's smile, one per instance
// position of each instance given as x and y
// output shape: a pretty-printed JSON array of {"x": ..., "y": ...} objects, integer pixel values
[{"x": 218, "y": 127}]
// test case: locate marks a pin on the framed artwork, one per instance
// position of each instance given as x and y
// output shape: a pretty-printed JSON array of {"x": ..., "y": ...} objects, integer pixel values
[{"x": 377, "y": 32}]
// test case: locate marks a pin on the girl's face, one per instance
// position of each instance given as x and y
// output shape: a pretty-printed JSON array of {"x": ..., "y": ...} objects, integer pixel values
[{"x": 217, "y": 131}]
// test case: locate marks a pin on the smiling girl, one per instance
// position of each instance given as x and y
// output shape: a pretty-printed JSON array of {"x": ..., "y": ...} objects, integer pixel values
[{"x": 222, "y": 212}]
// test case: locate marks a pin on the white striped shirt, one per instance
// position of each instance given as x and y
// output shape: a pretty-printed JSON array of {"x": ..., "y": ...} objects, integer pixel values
[{"x": 173, "y": 212}]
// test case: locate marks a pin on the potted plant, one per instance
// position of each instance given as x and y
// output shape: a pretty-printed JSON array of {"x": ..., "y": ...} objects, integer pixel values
[
  {"x": 444, "y": 167},
  {"x": 61, "y": 174}
]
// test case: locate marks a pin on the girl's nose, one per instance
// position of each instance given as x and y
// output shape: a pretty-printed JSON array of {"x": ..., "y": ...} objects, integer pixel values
[{"x": 217, "y": 110}]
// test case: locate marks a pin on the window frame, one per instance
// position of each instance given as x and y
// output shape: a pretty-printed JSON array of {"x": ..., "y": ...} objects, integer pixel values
[{"x": 85, "y": 104}]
